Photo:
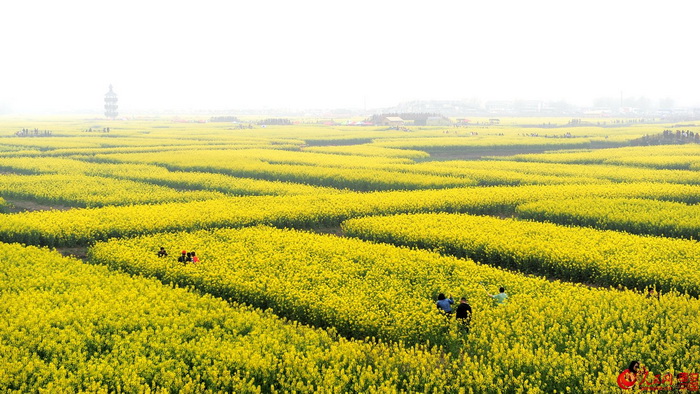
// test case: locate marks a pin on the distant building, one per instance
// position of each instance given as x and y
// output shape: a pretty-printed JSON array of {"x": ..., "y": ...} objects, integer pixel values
[
  {"x": 111, "y": 104},
  {"x": 392, "y": 121}
]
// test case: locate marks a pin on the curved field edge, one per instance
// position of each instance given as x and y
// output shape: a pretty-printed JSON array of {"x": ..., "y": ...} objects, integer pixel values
[
  {"x": 85, "y": 226},
  {"x": 606, "y": 258},
  {"x": 74, "y": 327},
  {"x": 637, "y": 216}
]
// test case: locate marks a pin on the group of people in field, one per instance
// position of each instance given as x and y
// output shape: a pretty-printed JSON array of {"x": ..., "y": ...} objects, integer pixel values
[
  {"x": 463, "y": 312},
  {"x": 33, "y": 133},
  {"x": 184, "y": 258}
]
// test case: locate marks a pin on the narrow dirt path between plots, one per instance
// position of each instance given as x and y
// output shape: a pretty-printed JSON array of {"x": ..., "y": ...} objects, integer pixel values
[{"x": 15, "y": 205}]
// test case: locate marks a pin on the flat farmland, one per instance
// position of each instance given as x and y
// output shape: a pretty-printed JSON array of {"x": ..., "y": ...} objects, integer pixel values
[{"x": 321, "y": 252}]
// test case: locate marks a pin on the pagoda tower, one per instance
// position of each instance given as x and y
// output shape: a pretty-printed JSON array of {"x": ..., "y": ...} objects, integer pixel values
[{"x": 111, "y": 104}]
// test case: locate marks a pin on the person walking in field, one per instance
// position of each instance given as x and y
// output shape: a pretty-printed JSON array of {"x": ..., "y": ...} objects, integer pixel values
[
  {"x": 444, "y": 304},
  {"x": 162, "y": 252},
  {"x": 652, "y": 294},
  {"x": 501, "y": 297},
  {"x": 464, "y": 314},
  {"x": 183, "y": 257},
  {"x": 194, "y": 257}
]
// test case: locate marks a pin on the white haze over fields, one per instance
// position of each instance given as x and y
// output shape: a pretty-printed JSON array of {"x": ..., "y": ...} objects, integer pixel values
[{"x": 63, "y": 55}]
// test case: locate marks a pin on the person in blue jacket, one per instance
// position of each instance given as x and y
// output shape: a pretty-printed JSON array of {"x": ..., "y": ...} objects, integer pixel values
[{"x": 445, "y": 304}]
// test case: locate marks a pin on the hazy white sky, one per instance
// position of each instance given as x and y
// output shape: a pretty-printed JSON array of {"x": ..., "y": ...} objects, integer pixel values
[{"x": 62, "y": 55}]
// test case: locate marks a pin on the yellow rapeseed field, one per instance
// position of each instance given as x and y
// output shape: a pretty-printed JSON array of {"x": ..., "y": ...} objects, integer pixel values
[
  {"x": 574, "y": 222},
  {"x": 602, "y": 257},
  {"x": 384, "y": 292},
  {"x": 638, "y": 216}
]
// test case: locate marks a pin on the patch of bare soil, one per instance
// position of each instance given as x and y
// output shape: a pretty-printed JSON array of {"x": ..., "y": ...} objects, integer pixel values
[
  {"x": 477, "y": 155},
  {"x": 79, "y": 252},
  {"x": 336, "y": 230},
  {"x": 17, "y": 205}
]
